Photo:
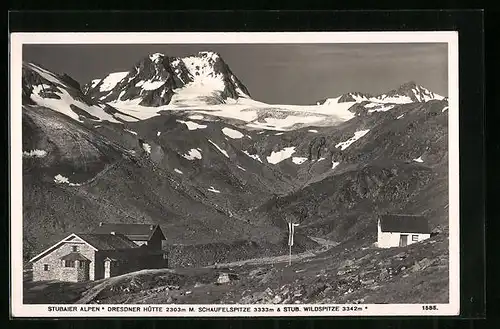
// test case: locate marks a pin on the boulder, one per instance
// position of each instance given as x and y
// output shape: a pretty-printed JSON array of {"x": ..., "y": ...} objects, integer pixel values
[
  {"x": 424, "y": 263},
  {"x": 384, "y": 274},
  {"x": 226, "y": 278},
  {"x": 266, "y": 277},
  {"x": 223, "y": 278},
  {"x": 256, "y": 272},
  {"x": 348, "y": 263},
  {"x": 371, "y": 281}
]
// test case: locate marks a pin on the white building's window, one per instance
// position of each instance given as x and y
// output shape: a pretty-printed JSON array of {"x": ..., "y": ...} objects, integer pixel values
[
  {"x": 75, "y": 248},
  {"x": 45, "y": 267},
  {"x": 414, "y": 237}
]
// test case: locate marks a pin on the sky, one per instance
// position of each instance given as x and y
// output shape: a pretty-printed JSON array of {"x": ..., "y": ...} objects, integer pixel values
[{"x": 273, "y": 73}]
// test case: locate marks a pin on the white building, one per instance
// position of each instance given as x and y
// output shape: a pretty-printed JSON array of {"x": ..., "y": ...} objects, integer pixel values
[{"x": 401, "y": 230}]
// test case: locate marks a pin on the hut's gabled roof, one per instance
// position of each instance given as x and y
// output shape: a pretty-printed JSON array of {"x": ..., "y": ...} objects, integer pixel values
[
  {"x": 135, "y": 232},
  {"x": 404, "y": 223}
]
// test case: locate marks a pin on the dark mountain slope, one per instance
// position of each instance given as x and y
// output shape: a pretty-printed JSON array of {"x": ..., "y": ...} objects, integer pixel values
[
  {"x": 398, "y": 166},
  {"x": 83, "y": 177}
]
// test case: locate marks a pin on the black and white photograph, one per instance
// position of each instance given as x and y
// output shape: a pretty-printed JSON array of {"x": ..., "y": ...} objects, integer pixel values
[{"x": 234, "y": 174}]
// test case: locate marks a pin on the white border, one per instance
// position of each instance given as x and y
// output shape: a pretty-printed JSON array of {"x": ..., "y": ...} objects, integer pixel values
[{"x": 18, "y": 309}]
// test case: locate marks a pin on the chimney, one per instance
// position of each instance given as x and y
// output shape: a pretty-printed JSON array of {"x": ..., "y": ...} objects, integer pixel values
[
  {"x": 151, "y": 227},
  {"x": 112, "y": 233},
  {"x": 100, "y": 223}
]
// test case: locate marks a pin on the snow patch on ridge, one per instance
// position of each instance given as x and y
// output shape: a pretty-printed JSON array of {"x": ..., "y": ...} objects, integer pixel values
[
  {"x": 357, "y": 135},
  {"x": 277, "y": 157},
  {"x": 146, "y": 147},
  {"x": 335, "y": 164},
  {"x": 378, "y": 107},
  {"x": 34, "y": 154},
  {"x": 132, "y": 107},
  {"x": 212, "y": 189},
  {"x": 150, "y": 84},
  {"x": 253, "y": 156},
  {"x": 419, "y": 159},
  {"x": 394, "y": 99},
  {"x": 94, "y": 83},
  {"x": 191, "y": 125},
  {"x": 178, "y": 171},
  {"x": 130, "y": 131},
  {"x": 63, "y": 105},
  {"x": 235, "y": 134},
  {"x": 299, "y": 160},
  {"x": 60, "y": 179},
  {"x": 193, "y": 154},
  {"x": 125, "y": 117},
  {"x": 220, "y": 149},
  {"x": 111, "y": 81}
]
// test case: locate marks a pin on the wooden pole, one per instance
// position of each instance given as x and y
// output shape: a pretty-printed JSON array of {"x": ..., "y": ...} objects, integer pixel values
[{"x": 290, "y": 255}]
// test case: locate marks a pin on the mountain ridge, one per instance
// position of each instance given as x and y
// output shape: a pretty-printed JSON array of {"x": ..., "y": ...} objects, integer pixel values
[{"x": 407, "y": 92}]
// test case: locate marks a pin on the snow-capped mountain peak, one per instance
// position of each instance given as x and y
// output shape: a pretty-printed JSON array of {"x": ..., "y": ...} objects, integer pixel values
[
  {"x": 158, "y": 80},
  {"x": 408, "y": 92}
]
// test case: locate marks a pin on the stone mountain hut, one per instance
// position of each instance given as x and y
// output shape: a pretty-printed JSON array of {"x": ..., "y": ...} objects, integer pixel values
[
  {"x": 401, "y": 230},
  {"x": 83, "y": 257},
  {"x": 94, "y": 256}
]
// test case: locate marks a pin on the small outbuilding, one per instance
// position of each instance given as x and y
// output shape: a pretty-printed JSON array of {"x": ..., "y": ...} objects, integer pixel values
[{"x": 401, "y": 230}]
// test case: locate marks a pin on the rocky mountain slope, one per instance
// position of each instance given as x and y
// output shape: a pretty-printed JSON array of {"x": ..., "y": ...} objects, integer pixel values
[{"x": 180, "y": 142}]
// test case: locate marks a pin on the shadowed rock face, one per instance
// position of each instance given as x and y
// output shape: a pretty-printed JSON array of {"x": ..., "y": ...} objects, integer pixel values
[{"x": 166, "y": 74}]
